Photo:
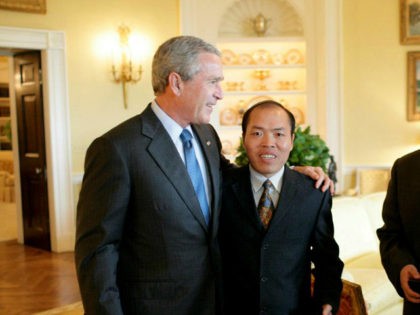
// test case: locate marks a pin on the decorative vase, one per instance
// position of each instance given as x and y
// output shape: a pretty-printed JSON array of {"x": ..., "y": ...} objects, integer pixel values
[{"x": 260, "y": 24}]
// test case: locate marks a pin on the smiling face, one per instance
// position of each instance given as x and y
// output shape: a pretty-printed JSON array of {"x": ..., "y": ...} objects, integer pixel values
[
  {"x": 199, "y": 95},
  {"x": 268, "y": 139}
]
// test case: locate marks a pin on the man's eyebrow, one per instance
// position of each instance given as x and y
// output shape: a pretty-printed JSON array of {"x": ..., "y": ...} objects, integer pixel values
[
  {"x": 216, "y": 77},
  {"x": 260, "y": 127}
]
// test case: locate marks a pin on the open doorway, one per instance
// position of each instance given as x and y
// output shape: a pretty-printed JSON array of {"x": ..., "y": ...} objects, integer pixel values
[
  {"x": 29, "y": 147},
  {"x": 8, "y": 213},
  {"x": 32, "y": 157},
  {"x": 51, "y": 45}
]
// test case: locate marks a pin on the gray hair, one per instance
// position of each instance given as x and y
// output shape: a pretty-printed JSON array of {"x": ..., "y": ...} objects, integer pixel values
[{"x": 178, "y": 54}]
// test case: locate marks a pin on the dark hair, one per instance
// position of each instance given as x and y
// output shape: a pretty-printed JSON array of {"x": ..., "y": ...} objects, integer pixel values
[{"x": 267, "y": 103}]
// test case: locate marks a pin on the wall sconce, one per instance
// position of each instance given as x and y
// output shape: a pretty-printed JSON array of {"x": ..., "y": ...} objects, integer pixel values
[{"x": 123, "y": 68}]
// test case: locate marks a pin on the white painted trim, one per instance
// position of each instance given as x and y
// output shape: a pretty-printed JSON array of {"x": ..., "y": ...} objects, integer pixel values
[
  {"x": 57, "y": 128},
  {"x": 16, "y": 166},
  {"x": 333, "y": 88},
  {"x": 323, "y": 33},
  {"x": 313, "y": 73},
  {"x": 187, "y": 16}
]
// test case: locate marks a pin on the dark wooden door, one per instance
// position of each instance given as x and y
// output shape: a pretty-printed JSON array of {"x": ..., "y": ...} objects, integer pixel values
[{"x": 33, "y": 176}]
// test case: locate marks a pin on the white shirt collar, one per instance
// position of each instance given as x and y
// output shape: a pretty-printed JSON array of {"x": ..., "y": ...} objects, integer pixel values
[
  {"x": 171, "y": 126},
  {"x": 258, "y": 179}
]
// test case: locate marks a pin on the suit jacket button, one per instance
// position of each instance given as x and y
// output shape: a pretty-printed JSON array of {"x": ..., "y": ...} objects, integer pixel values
[{"x": 264, "y": 279}]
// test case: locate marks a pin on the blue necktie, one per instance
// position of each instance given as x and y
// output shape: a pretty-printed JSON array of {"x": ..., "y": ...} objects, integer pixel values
[{"x": 195, "y": 173}]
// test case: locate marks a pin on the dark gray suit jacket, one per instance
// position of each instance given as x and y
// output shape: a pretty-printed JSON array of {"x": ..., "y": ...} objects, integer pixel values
[
  {"x": 142, "y": 245},
  {"x": 270, "y": 272},
  {"x": 400, "y": 235}
]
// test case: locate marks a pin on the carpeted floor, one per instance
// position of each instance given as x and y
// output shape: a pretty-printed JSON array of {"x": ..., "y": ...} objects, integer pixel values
[{"x": 71, "y": 309}]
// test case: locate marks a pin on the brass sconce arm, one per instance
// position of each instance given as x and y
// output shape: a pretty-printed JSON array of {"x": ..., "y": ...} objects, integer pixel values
[{"x": 124, "y": 71}]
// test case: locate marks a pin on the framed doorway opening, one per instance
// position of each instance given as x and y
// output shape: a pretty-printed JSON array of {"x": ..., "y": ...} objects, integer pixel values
[{"x": 57, "y": 131}]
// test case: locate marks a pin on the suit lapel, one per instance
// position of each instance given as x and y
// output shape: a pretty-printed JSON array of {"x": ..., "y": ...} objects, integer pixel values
[
  {"x": 166, "y": 156},
  {"x": 289, "y": 192},
  {"x": 243, "y": 192}
]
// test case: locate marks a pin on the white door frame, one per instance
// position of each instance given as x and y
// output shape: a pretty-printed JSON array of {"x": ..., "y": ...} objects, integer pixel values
[{"x": 57, "y": 130}]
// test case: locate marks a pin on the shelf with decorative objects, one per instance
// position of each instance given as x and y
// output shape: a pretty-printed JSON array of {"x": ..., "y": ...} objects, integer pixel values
[
  {"x": 258, "y": 69},
  {"x": 5, "y": 130},
  {"x": 4, "y": 106}
]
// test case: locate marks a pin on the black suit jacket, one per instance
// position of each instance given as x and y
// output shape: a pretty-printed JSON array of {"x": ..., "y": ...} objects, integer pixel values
[
  {"x": 142, "y": 245},
  {"x": 400, "y": 235},
  {"x": 269, "y": 272}
]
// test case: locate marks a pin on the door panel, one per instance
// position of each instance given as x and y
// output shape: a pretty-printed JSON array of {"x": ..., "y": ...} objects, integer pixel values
[{"x": 31, "y": 138}]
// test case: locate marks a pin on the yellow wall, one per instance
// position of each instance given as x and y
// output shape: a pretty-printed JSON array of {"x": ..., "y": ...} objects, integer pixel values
[
  {"x": 95, "y": 101},
  {"x": 376, "y": 131}
]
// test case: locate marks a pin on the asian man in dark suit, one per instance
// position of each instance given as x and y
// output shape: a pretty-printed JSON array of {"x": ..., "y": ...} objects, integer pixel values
[
  {"x": 400, "y": 235},
  {"x": 146, "y": 235},
  {"x": 270, "y": 236}
]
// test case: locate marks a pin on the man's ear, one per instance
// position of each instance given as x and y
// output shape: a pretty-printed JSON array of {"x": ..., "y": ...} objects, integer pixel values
[{"x": 175, "y": 83}]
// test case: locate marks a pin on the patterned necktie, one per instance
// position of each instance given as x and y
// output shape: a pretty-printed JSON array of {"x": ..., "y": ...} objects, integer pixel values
[
  {"x": 195, "y": 173},
  {"x": 265, "y": 205}
]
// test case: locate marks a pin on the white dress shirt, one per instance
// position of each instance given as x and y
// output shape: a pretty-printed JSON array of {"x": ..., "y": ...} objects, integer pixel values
[
  {"x": 174, "y": 130},
  {"x": 257, "y": 181}
]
